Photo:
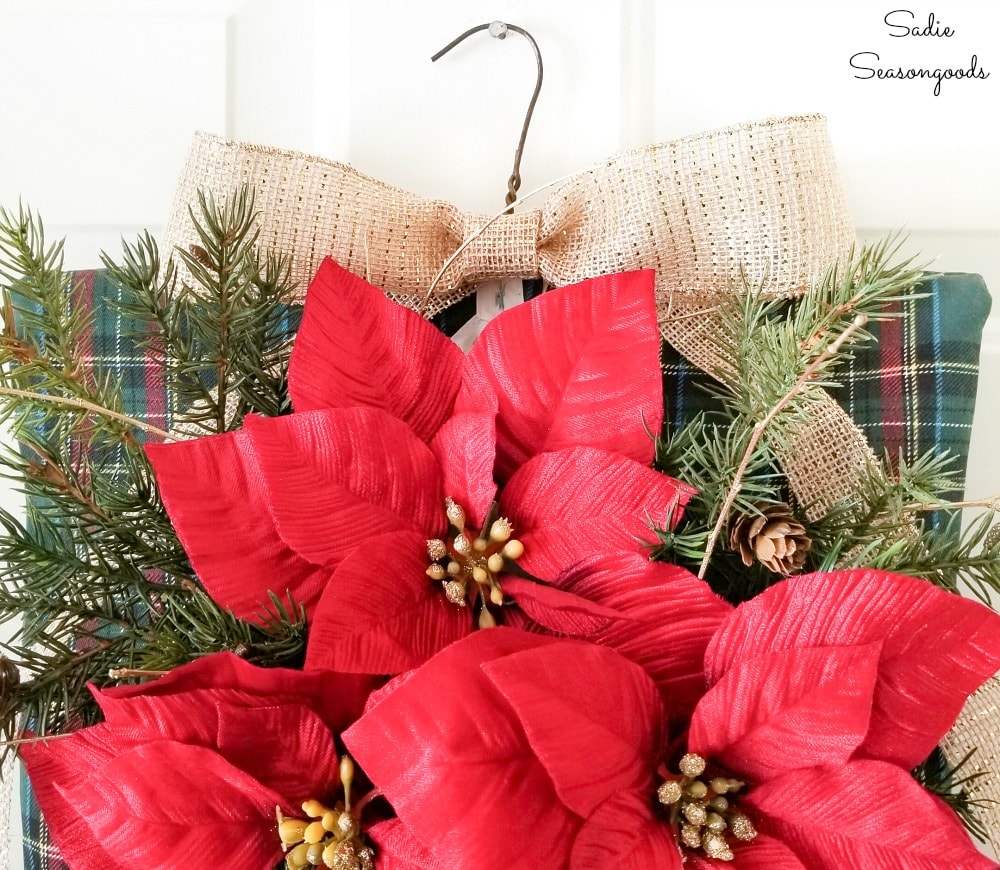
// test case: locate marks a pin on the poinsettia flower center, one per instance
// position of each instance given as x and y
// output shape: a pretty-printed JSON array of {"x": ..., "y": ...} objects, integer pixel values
[
  {"x": 328, "y": 836},
  {"x": 702, "y": 811},
  {"x": 468, "y": 564}
]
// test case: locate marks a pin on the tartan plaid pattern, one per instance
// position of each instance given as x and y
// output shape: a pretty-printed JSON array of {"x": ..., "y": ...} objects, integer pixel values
[
  {"x": 912, "y": 391},
  {"x": 143, "y": 397}
]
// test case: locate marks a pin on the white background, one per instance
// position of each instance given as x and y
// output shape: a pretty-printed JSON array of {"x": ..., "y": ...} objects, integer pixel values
[{"x": 98, "y": 101}]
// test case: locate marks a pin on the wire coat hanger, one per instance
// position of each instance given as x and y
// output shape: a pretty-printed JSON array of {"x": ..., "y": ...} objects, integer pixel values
[{"x": 498, "y": 30}]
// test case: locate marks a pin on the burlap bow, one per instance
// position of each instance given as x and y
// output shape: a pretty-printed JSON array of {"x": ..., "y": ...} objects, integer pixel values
[{"x": 762, "y": 198}]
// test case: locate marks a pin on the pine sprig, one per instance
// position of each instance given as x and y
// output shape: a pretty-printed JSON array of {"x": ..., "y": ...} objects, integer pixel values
[
  {"x": 224, "y": 340},
  {"x": 787, "y": 347},
  {"x": 787, "y": 355},
  {"x": 95, "y": 575},
  {"x": 894, "y": 519}
]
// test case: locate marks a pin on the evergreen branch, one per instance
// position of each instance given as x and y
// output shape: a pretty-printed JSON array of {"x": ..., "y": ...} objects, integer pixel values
[
  {"x": 225, "y": 340},
  {"x": 779, "y": 353},
  {"x": 761, "y": 426},
  {"x": 96, "y": 573}
]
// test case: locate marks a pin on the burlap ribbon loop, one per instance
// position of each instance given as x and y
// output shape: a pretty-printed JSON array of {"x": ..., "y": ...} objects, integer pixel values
[{"x": 760, "y": 200}]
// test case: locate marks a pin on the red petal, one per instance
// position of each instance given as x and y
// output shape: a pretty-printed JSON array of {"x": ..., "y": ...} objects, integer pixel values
[
  {"x": 576, "y": 366},
  {"x": 355, "y": 347},
  {"x": 214, "y": 483},
  {"x": 863, "y": 814},
  {"x": 762, "y": 853},
  {"x": 449, "y": 754},
  {"x": 666, "y": 617},
  {"x": 338, "y": 698},
  {"x": 381, "y": 613},
  {"x": 398, "y": 849},
  {"x": 52, "y": 766},
  {"x": 593, "y": 718},
  {"x": 164, "y": 805},
  {"x": 623, "y": 833},
  {"x": 337, "y": 478},
  {"x": 302, "y": 766},
  {"x": 465, "y": 448},
  {"x": 788, "y": 710},
  {"x": 559, "y": 612},
  {"x": 576, "y": 503},
  {"x": 937, "y": 647}
]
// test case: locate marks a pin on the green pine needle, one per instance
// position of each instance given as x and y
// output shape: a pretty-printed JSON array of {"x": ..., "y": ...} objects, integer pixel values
[
  {"x": 94, "y": 578},
  {"x": 949, "y": 783}
]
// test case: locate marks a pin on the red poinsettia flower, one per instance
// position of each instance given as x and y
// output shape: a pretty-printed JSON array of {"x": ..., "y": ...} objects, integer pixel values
[
  {"x": 186, "y": 771},
  {"x": 336, "y": 503},
  {"x": 516, "y": 750}
]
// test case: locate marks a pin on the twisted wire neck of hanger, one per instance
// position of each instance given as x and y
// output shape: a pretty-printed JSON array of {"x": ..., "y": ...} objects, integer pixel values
[{"x": 498, "y": 30}]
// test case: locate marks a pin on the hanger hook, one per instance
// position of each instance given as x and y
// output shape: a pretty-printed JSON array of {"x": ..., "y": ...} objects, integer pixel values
[{"x": 498, "y": 30}]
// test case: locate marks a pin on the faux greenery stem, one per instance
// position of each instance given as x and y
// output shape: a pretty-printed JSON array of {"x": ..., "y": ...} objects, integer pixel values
[
  {"x": 45, "y": 738},
  {"x": 761, "y": 426},
  {"x": 128, "y": 673},
  {"x": 992, "y": 503},
  {"x": 83, "y": 404}
]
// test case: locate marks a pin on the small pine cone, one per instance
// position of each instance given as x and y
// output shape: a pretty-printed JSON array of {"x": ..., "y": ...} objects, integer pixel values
[{"x": 772, "y": 537}]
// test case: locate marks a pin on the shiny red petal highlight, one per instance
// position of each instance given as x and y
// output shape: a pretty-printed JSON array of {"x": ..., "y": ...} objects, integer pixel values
[
  {"x": 215, "y": 483},
  {"x": 337, "y": 478},
  {"x": 938, "y": 647},
  {"x": 666, "y": 618},
  {"x": 465, "y": 448},
  {"x": 598, "y": 383},
  {"x": 452, "y": 759},
  {"x": 596, "y": 698},
  {"x": 581, "y": 502},
  {"x": 356, "y": 347},
  {"x": 624, "y": 833},
  {"x": 164, "y": 805},
  {"x": 789, "y": 710},
  {"x": 863, "y": 814},
  {"x": 225, "y": 678},
  {"x": 381, "y": 613}
]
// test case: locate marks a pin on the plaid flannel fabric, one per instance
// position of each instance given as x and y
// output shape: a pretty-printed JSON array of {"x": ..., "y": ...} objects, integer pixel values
[
  {"x": 144, "y": 397},
  {"x": 912, "y": 391}
]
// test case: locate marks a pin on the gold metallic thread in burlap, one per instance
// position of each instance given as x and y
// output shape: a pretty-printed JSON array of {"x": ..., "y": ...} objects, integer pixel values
[
  {"x": 764, "y": 197},
  {"x": 759, "y": 200},
  {"x": 978, "y": 727}
]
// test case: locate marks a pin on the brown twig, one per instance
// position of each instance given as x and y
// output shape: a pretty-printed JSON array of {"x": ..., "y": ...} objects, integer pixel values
[
  {"x": 760, "y": 427},
  {"x": 670, "y": 317},
  {"x": 991, "y": 503},
  {"x": 42, "y": 739},
  {"x": 84, "y": 405}
]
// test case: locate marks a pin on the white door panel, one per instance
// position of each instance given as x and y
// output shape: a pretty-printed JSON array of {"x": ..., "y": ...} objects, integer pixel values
[{"x": 109, "y": 95}]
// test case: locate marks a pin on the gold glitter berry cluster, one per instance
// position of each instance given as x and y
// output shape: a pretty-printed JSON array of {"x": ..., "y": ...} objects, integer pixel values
[{"x": 702, "y": 814}]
